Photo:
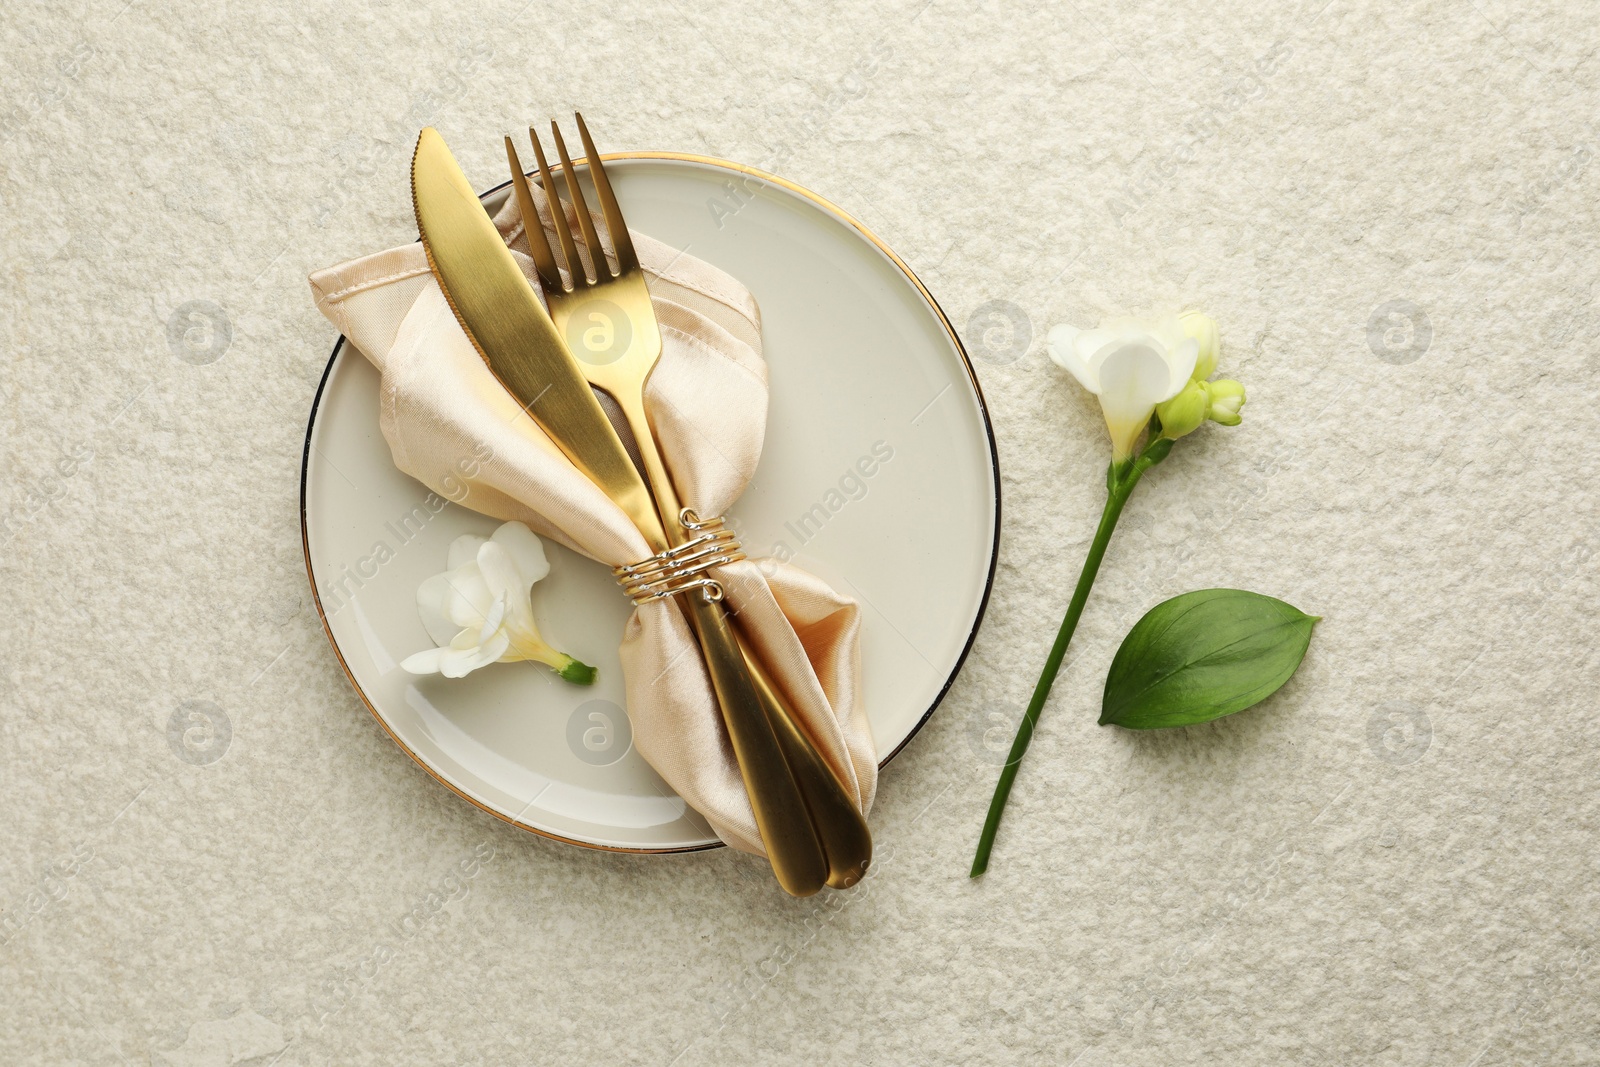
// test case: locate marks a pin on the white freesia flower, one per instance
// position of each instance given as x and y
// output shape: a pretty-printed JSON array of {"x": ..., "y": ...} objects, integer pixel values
[
  {"x": 1131, "y": 365},
  {"x": 480, "y": 611}
]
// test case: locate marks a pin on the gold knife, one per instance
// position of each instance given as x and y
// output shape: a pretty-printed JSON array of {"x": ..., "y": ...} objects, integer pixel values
[{"x": 512, "y": 331}]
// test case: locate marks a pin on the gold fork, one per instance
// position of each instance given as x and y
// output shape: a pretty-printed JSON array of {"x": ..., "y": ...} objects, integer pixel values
[{"x": 610, "y": 328}]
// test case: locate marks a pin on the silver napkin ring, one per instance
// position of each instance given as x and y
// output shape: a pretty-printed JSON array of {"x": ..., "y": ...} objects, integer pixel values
[{"x": 683, "y": 568}]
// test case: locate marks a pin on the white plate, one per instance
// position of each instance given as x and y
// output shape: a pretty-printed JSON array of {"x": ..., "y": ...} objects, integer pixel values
[{"x": 864, "y": 366}]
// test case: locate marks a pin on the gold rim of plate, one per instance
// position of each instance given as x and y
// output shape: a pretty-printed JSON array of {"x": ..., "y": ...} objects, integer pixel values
[{"x": 972, "y": 379}]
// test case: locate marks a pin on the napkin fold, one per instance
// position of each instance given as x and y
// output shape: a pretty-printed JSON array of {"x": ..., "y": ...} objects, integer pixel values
[{"x": 451, "y": 425}]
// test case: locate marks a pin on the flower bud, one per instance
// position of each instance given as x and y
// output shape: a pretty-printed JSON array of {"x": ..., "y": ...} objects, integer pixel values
[
  {"x": 1203, "y": 328},
  {"x": 1227, "y": 397},
  {"x": 1185, "y": 412}
]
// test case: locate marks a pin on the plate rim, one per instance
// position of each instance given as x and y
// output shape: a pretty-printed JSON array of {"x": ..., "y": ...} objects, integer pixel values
[{"x": 994, "y": 474}]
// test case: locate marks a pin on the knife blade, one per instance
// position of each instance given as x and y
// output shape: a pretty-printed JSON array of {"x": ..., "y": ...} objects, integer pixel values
[
  {"x": 511, "y": 329},
  {"x": 509, "y": 326}
]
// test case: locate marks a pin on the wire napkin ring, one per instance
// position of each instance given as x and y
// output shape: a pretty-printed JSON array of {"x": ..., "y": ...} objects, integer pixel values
[{"x": 683, "y": 567}]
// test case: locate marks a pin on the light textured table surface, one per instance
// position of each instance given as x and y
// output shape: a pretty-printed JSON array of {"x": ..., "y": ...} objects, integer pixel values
[{"x": 1390, "y": 208}]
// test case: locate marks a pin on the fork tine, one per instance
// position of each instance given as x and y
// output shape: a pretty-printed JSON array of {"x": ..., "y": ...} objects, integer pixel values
[
  {"x": 558, "y": 215},
  {"x": 544, "y": 259},
  {"x": 597, "y": 254},
  {"x": 621, "y": 242}
]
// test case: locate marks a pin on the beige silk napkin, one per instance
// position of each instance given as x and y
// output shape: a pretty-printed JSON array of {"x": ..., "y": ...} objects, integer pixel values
[{"x": 450, "y": 423}]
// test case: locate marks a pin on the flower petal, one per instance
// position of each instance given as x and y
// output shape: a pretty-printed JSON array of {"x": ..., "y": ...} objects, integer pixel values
[
  {"x": 1169, "y": 328},
  {"x": 525, "y": 548},
  {"x": 433, "y": 604},
  {"x": 470, "y": 598},
  {"x": 1134, "y": 378},
  {"x": 463, "y": 550},
  {"x": 499, "y": 570},
  {"x": 1115, "y": 327},
  {"x": 492, "y": 623},
  {"x": 506, "y": 582},
  {"x": 425, "y": 662},
  {"x": 1182, "y": 366},
  {"x": 457, "y": 663},
  {"x": 1062, "y": 346}
]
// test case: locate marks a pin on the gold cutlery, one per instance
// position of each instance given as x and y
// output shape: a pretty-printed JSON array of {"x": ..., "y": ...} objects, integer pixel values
[
  {"x": 610, "y": 327},
  {"x": 511, "y": 329}
]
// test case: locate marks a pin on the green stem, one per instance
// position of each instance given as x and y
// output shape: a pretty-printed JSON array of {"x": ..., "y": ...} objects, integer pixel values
[{"x": 1119, "y": 486}]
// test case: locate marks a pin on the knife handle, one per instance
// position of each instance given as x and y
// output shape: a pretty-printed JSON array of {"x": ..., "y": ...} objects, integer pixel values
[
  {"x": 781, "y": 814},
  {"x": 799, "y": 786},
  {"x": 839, "y": 824}
]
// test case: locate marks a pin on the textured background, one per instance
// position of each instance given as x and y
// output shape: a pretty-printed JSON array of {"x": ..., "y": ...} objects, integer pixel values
[{"x": 1389, "y": 207}]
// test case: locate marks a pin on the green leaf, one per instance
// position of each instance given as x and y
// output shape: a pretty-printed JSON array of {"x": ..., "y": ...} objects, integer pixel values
[{"x": 1201, "y": 656}]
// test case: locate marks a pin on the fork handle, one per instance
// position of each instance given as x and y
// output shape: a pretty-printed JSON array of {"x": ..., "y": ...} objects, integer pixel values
[{"x": 781, "y": 814}]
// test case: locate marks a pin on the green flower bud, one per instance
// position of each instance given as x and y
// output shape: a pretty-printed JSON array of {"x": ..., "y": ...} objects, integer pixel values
[
  {"x": 1203, "y": 328},
  {"x": 1185, "y": 412},
  {"x": 1227, "y": 397}
]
